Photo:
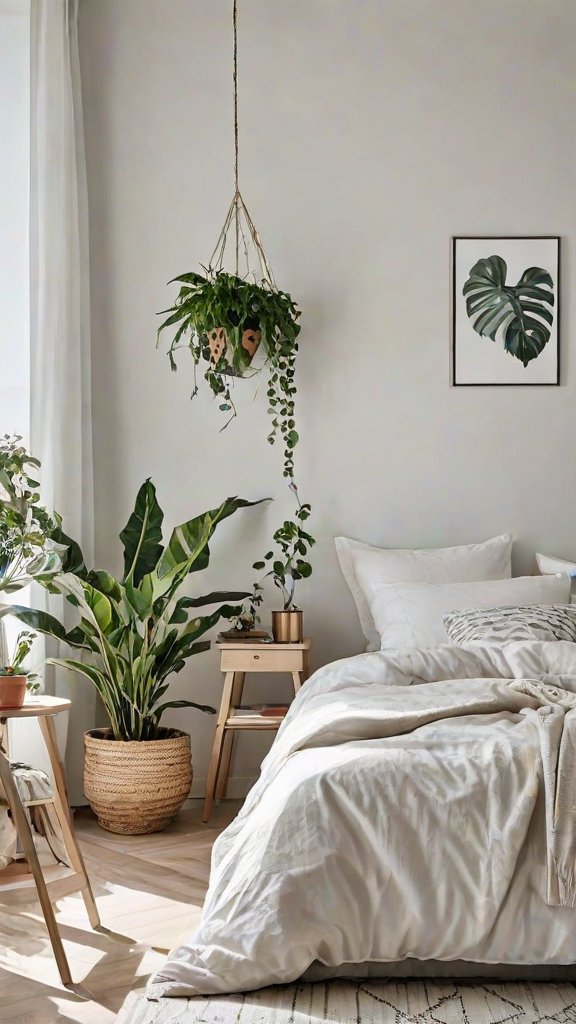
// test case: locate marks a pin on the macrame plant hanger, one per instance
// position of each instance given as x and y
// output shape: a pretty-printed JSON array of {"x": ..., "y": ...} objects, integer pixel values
[
  {"x": 216, "y": 311},
  {"x": 238, "y": 219}
]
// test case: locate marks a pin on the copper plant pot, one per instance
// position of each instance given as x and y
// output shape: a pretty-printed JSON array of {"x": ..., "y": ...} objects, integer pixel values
[
  {"x": 287, "y": 627},
  {"x": 12, "y": 692}
]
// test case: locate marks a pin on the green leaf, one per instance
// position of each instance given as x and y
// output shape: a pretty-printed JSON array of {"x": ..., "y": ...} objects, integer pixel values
[
  {"x": 159, "y": 711},
  {"x": 497, "y": 308},
  {"x": 191, "y": 278},
  {"x": 188, "y": 546},
  {"x": 179, "y": 614},
  {"x": 105, "y": 583},
  {"x": 142, "y": 535},
  {"x": 78, "y": 638},
  {"x": 42, "y": 621},
  {"x": 139, "y": 602},
  {"x": 100, "y": 605},
  {"x": 259, "y": 565},
  {"x": 73, "y": 559}
]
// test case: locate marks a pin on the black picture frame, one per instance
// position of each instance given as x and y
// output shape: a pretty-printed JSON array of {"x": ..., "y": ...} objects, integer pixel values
[{"x": 454, "y": 382}]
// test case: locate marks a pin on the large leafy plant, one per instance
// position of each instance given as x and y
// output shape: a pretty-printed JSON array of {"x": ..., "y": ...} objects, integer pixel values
[
  {"x": 494, "y": 305},
  {"x": 27, "y": 532},
  {"x": 136, "y": 632}
]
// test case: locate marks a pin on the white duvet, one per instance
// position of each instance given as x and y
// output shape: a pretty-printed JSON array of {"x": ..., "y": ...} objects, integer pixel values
[{"x": 415, "y": 804}]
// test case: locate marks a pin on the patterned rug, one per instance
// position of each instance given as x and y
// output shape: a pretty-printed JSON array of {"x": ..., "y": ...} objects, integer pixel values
[{"x": 369, "y": 1002}]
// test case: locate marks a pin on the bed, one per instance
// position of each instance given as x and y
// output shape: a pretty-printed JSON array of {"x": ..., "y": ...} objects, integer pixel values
[{"x": 416, "y": 816}]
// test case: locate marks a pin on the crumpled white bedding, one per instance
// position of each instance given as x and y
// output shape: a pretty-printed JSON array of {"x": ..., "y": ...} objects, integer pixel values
[{"x": 415, "y": 804}]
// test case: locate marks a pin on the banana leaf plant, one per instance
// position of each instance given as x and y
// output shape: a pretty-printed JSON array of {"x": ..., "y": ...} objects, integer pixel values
[{"x": 136, "y": 632}]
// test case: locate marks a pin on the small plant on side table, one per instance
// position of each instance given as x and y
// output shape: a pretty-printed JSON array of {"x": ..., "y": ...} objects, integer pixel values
[
  {"x": 14, "y": 679},
  {"x": 288, "y": 566}
]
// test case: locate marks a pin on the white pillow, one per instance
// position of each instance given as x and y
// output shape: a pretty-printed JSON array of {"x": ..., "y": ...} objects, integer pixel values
[
  {"x": 365, "y": 567},
  {"x": 411, "y": 614},
  {"x": 550, "y": 566}
]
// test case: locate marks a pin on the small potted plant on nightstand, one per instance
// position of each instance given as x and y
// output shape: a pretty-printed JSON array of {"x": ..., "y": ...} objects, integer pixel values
[
  {"x": 289, "y": 566},
  {"x": 14, "y": 679}
]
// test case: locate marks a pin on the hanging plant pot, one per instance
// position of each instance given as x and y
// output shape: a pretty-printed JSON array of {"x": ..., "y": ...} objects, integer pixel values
[
  {"x": 217, "y": 343},
  {"x": 222, "y": 346},
  {"x": 224, "y": 320},
  {"x": 251, "y": 338}
]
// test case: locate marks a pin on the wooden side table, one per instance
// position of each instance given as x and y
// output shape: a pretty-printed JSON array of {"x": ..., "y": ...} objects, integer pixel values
[
  {"x": 236, "y": 659},
  {"x": 43, "y": 708}
]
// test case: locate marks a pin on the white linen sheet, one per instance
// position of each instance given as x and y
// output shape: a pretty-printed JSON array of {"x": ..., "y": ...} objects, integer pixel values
[{"x": 415, "y": 804}]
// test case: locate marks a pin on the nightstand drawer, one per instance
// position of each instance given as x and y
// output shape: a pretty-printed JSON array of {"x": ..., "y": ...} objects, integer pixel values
[{"x": 262, "y": 660}]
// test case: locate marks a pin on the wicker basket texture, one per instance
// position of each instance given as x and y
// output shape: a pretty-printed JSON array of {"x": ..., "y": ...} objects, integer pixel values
[{"x": 136, "y": 787}]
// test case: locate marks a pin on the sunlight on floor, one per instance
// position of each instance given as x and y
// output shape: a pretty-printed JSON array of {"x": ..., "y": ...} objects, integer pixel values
[{"x": 149, "y": 892}]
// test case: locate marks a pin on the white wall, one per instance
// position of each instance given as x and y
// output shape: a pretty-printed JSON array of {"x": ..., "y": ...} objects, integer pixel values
[
  {"x": 371, "y": 132},
  {"x": 14, "y": 175}
]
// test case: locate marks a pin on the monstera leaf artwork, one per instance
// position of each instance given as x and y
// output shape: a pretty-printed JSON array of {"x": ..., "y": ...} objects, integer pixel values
[{"x": 520, "y": 314}]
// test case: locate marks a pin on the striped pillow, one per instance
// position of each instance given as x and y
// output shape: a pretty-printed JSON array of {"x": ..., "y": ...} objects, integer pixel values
[{"x": 504, "y": 625}]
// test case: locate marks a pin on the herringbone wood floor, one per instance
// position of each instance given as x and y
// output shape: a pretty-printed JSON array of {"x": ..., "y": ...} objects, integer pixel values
[{"x": 149, "y": 890}]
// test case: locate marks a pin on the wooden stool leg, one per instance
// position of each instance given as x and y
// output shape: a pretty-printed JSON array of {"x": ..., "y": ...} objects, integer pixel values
[
  {"x": 62, "y": 808},
  {"x": 23, "y": 829},
  {"x": 218, "y": 743},
  {"x": 298, "y": 680},
  {"x": 224, "y": 769}
]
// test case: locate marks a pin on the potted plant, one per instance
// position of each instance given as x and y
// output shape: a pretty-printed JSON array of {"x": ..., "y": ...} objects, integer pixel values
[
  {"x": 14, "y": 679},
  {"x": 223, "y": 319},
  {"x": 135, "y": 633},
  {"x": 287, "y": 568},
  {"x": 28, "y": 534}
]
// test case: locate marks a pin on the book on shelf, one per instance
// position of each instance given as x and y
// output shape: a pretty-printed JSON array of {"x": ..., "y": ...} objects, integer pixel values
[
  {"x": 250, "y": 710},
  {"x": 253, "y": 636}
]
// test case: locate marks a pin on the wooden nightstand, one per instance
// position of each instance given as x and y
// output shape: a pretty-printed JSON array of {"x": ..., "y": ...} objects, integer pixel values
[{"x": 236, "y": 659}]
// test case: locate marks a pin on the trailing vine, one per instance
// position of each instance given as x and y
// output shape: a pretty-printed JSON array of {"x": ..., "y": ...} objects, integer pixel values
[{"x": 225, "y": 319}]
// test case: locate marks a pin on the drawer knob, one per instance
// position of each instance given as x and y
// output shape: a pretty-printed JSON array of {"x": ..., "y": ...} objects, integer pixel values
[{"x": 256, "y": 657}]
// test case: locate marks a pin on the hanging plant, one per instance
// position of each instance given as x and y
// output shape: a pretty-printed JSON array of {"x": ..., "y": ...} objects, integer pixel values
[
  {"x": 237, "y": 325},
  {"x": 225, "y": 320}
]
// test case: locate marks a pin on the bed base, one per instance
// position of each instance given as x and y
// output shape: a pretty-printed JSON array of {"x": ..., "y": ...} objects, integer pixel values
[{"x": 445, "y": 969}]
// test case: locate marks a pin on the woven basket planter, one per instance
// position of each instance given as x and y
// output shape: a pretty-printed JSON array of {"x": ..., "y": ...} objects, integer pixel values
[{"x": 136, "y": 788}]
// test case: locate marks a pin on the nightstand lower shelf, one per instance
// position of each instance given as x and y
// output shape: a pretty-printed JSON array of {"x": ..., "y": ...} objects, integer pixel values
[
  {"x": 254, "y": 722},
  {"x": 236, "y": 660}
]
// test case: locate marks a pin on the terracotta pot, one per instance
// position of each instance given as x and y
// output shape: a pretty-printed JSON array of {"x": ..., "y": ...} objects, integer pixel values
[
  {"x": 12, "y": 692},
  {"x": 287, "y": 627},
  {"x": 136, "y": 788}
]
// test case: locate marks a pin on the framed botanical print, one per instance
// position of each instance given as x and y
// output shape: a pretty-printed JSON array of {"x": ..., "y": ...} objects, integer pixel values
[{"x": 505, "y": 310}]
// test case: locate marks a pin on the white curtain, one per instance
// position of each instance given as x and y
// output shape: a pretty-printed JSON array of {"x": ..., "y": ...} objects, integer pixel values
[{"x": 61, "y": 435}]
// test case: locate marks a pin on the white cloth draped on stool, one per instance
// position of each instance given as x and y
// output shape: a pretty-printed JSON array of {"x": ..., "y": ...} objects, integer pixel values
[{"x": 32, "y": 784}]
